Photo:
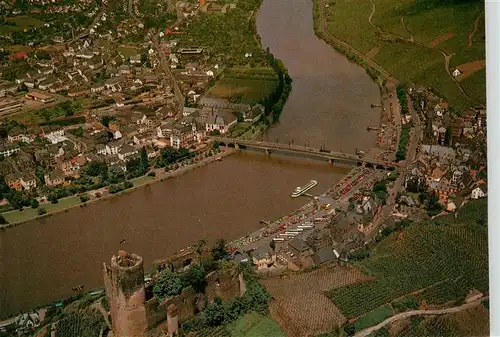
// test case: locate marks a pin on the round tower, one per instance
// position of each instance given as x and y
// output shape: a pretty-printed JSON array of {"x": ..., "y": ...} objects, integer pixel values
[{"x": 124, "y": 282}]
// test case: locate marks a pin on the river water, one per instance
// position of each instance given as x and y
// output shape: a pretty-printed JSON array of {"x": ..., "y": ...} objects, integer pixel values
[
  {"x": 41, "y": 261},
  {"x": 330, "y": 101}
]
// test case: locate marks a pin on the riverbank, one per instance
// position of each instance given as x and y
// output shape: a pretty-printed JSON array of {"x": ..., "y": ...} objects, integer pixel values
[{"x": 66, "y": 204}]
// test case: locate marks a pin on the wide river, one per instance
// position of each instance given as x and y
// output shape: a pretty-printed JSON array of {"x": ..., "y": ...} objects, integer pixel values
[{"x": 41, "y": 261}]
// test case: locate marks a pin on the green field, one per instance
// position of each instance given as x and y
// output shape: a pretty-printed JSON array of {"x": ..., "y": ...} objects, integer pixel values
[
  {"x": 448, "y": 257},
  {"x": 20, "y": 22},
  {"x": 246, "y": 84},
  {"x": 374, "y": 317},
  {"x": 255, "y": 325},
  {"x": 29, "y": 213},
  {"x": 411, "y": 52}
]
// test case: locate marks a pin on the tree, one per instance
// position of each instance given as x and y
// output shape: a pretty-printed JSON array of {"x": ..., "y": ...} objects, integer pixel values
[
  {"x": 199, "y": 246},
  {"x": 272, "y": 245},
  {"x": 34, "y": 203},
  {"x": 214, "y": 313},
  {"x": 2, "y": 220},
  {"x": 219, "y": 250},
  {"x": 167, "y": 284},
  {"x": 195, "y": 277},
  {"x": 144, "y": 160},
  {"x": 40, "y": 174}
]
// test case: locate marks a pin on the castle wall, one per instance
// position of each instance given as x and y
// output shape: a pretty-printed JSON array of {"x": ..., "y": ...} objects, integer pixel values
[{"x": 223, "y": 284}]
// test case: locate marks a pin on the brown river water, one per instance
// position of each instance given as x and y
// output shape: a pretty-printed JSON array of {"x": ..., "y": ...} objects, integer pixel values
[{"x": 41, "y": 261}]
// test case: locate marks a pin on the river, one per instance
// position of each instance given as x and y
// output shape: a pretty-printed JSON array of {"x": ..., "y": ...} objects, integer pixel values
[
  {"x": 41, "y": 261},
  {"x": 330, "y": 101}
]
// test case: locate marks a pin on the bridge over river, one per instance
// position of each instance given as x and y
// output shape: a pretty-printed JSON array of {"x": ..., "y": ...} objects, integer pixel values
[{"x": 332, "y": 157}]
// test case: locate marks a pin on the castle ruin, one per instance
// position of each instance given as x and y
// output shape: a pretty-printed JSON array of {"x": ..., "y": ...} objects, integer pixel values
[{"x": 133, "y": 308}]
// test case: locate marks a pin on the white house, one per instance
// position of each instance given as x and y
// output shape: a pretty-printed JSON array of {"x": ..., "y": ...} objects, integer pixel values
[
  {"x": 456, "y": 72},
  {"x": 9, "y": 150},
  {"x": 477, "y": 193},
  {"x": 117, "y": 134}
]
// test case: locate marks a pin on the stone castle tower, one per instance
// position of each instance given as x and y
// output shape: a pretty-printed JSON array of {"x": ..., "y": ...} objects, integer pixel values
[{"x": 124, "y": 283}]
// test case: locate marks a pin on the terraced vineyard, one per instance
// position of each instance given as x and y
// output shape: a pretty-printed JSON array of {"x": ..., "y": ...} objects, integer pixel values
[
  {"x": 300, "y": 304},
  {"x": 447, "y": 260},
  {"x": 88, "y": 324}
]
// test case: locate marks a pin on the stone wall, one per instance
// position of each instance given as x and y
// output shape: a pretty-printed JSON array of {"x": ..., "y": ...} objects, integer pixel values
[{"x": 223, "y": 284}]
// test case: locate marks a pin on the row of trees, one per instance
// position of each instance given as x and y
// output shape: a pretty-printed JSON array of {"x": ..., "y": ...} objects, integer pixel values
[
  {"x": 403, "y": 142},
  {"x": 275, "y": 102},
  {"x": 401, "y": 92},
  {"x": 66, "y": 108}
]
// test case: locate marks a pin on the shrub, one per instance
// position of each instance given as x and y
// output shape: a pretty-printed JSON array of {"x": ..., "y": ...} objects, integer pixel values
[{"x": 42, "y": 211}]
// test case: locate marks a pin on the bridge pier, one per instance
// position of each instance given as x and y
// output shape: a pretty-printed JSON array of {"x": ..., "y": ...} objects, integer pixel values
[
  {"x": 236, "y": 146},
  {"x": 330, "y": 161},
  {"x": 268, "y": 152}
]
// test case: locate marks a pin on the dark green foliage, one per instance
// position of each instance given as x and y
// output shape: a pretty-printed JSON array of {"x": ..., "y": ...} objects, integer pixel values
[
  {"x": 95, "y": 169},
  {"x": 2, "y": 220},
  {"x": 67, "y": 109},
  {"x": 382, "y": 332},
  {"x": 215, "y": 313},
  {"x": 42, "y": 211},
  {"x": 195, "y": 277},
  {"x": 403, "y": 142},
  {"x": 106, "y": 119},
  {"x": 167, "y": 284},
  {"x": 433, "y": 205},
  {"x": 34, "y": 203},
  {"x": 219, "y": 251},
  {"x": 401, "y": 92},
  {"x": 409, "y": 302},
  {"x": 349, "y": 329},
  {"x": 170, "y": 155},
  {"x": 380, "y": 190}
]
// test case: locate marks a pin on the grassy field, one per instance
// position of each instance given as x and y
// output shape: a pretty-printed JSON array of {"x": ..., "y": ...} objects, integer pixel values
[
  {"x": 29, "y": 213},
  {"x": 248, "y": 84},
  {"x": 407, "y": 36},
  {"x": 128, "y": 51},
  {"x": 255, "y": 325},
  {"x": 374, "y": 317},
  {"x": 448, "y": 258},
  {"x": 20, "y": 22}
]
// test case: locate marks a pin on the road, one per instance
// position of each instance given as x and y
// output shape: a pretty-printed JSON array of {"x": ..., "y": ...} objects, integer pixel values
[
  {"x": 171, "y": 80},
  {"x": 407, "y": 314},
  {"x": 325, "y": 198}
]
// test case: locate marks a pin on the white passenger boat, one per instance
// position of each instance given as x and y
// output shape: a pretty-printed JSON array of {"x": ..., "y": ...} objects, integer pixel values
[{"x": 301, "y": 190}]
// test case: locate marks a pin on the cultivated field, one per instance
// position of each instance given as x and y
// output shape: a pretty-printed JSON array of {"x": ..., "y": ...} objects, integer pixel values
[
  {"x": 246, "y": 84},
  {"x": 438, "y": 263},
  {"x": 411, "y": 38},
  {"x": 300, "y": 304}
]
